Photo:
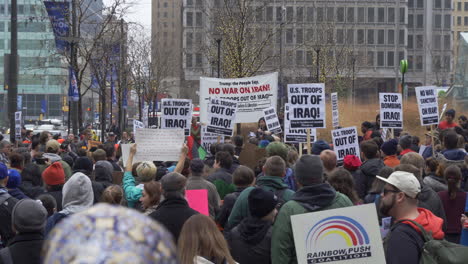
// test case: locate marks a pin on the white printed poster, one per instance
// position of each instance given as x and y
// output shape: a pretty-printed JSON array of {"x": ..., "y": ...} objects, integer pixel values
[
  {"x": 176, "y": 114},
  {"x": 208, "y": 139},
  {"x": 345, "y": 142},
  {"x": 137, "y": 124},
  {"x": 348, "y": 235},
  {"x": 335, "y": 112},
  {"x": 145, "y": 116},
  {"x": 221, "y": 116},
  {"x": 391, "y": 110},
  {"x": 18, "y": 119},
  {"x": 272, "y": 121},
  {"x": 296, "y": 135},
  {"x": 158, "y": 144},
  {"x": 428, "y": 105},
  {"x": 252, "y": 94},
  {"x": 307, "y": 105}
]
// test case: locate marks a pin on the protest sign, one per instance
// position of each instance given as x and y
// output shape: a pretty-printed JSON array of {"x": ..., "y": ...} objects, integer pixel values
[
  {"x": 137, "y": 124},
  {"x": 221, "y": 116},
  {"x": 296, "y": 135},
  {"x": 125, "y": 152},
  {"x": 176, "y": 113},
  {"x": 198, "y": 200},
  {"x": 145, "y": 116},
  {"x": 335, "y": 113},
  {"x": 272, "y": 121},
  {"x": 391, "y": 114},
  {"x": 428, "y": 105},
  {"x": 253, "y": 94},
  {"x": 208, "y": 139},
  {"x": 307, "y": 105},
  {"x": 158, "y": 144},
  {"x": 18, "y": 119},
  {"x": 345, "y": 142},
  {"x": 251, "y": 155},
  {"x": 332, "y": 236}
]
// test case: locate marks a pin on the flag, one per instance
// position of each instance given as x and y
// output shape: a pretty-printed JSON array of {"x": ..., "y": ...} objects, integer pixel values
[
  {"x": 124, "y": 99},
  {"x": 58, "y": 13},
  {"x": 44, "y": 106},
  {"x": 73, "y": 93}
]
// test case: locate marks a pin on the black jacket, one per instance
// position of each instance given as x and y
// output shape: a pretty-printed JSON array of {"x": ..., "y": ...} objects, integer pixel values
[
  {"x": 250, "y": 241},
  {"x": 403, "y": 245},
  {"x": 26, "y": 248},
  {"x": 172, "y": 214},
  {"x": 103, "y": 179},
  {"x": 6, "y": 231},
  {"x": 228, "y": 204},
  {"x": 56, "y": 192},
  {"x": 30, "y": 190},
  {"x": 369, "y": 169}
]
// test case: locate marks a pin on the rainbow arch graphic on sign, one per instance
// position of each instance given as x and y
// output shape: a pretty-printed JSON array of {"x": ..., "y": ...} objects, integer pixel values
[{"x": 349, "y": 229}]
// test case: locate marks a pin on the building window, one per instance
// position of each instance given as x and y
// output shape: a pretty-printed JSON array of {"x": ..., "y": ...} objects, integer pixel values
[
  {"x": 188, "y": 60},
  {"x": 448, "y": 4},
  {"x": 340, "y": 36},
  {"x": 380, "y": 59},
  {"x": 299, "y": 36},
  {"x": 419, "y": 21},
  {"x": 289, "y": 36},
  {"x": 279, "y": 14},
  {"x": 447, "y": 44},
  {"x": 189, "y": 40},
  {"x": 381, "y": 15},
  {"x": 340, "y": 16},
  {"x": 370, "y": 58},
  {"x": 437, "y": 3},
  {"x": 420, "y": 3},
  {"x": 300, "y": 14},
  {"x": 309, "y": 58},
  {"x": 447, "y": 63},
  {"x": 419, "y": 41},
  {"x": 370, "y": 15},
  {"x": 330, "y": 14},
  {"x": 350, "y": 36},
  {"x": 436, "y": 63},
  {"x": 447, "y": 21},
  {"x": 391, "y": 59},
  {"x": 410, "y": 21},
  {"x": 310, "y": 14},
  {"x": 438, "y": 21},
  {"x": 391, "y": 15},
  {"x": 299, "y": 57},
  {"x": 419, "y": 63},
  {"x": 402, "y": 15},
  {"x": 391, "y": 37},
  {"x": 381, "y": 37},
  {"x": 259, "y": 15},
  {"x": 198, "y": 60},
  {"x": 269, "y": 13},
  {"x": 465, "y": 6},
  {"x": 459, "y": 6},
  {"x": 361, "y": 15},
  {"x": 401, "y": 37},
  {"x": 199, "y": 19},
  {"x": 189, "y": 18},
  {"x": 437, "y": 40},
  {"x": 360, "y": 36},
  {"x": 289, "y": 13},
  {"x": 401, "y": 55},
  {"x": 410, "y": 63},
  {"x": 370, "y": 36},
  {"x": 309, "y": 34},
  {"x": 410, "y": 42},
  {"x": 350, "y": 14},
  {"x": 165, "y": 4},
  {"x": 459, "y": 21}
]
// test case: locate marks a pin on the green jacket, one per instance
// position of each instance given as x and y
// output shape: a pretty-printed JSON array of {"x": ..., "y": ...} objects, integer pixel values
[
  {"x": 283, "y": 250},
  {"x": 241, "y": 207},
  {"x": 132, "y": 193}
]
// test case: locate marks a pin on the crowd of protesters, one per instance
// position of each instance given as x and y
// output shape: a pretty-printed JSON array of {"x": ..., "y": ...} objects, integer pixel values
[{"x": 62, "y": 200}]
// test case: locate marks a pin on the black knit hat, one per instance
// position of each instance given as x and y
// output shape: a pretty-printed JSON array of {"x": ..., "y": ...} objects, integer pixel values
[{"x": 261, "y": 202}]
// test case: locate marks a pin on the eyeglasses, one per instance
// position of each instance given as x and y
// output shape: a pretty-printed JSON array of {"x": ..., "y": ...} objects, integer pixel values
[{"x": 386, "y": 191}]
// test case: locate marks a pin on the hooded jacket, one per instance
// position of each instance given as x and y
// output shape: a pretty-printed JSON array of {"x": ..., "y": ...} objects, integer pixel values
[
  {"x": 250, "y": 241},
  {"x": 406, "y": 237},
  {"x": 369, "y": 169},
  {"x": 436, "y": 183},
  {"x": 102, "y": 180},
  {"x": 77, "y": 196},
  {"x": 241, "y": 207},
  {"x": 132, "y": 192},
  {"x": 222, "y": 179},
  {"x": 317, "y": 197},
  {"x": 430, "y": 200},
  {"x": 228, "y": 204},
  {"x": 53, "y": 158},
  {"x": 454, "y": 154}
]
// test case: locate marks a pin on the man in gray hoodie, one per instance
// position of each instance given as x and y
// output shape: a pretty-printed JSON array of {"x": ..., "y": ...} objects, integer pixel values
[{"x": 77, "y": 196}]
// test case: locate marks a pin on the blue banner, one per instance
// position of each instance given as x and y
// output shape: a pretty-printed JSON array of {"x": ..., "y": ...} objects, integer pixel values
[
  {"x": 124, "y": 100},
  {"x": 113, "y": 78},
  {"x": 73, "y": 93},
  {"x": 19, "y": 103},
  {"x": 58, "y": 14},
  {"x": 43, "y": 106}
]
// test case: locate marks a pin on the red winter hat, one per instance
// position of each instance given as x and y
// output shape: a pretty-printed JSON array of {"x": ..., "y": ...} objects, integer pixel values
[
  {"x": 351, "y": 162},
  {"x": 54, "y": 174}
]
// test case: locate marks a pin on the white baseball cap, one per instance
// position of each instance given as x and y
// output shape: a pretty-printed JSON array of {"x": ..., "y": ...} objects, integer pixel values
[{"x": 405, "y": 182}]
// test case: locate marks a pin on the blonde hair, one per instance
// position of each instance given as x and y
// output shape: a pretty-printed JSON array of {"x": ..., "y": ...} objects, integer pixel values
[
  {"x": 201, "y": 237},
  {"x": 146, "y": 171},
  {"x": 112, "y": 195}
]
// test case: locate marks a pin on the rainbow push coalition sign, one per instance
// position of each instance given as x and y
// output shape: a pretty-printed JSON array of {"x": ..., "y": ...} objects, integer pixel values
[{"x": 345, "y": 235}]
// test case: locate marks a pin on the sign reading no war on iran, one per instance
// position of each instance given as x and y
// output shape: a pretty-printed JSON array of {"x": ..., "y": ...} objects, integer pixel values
[
  {"x": 176, "y": 113},
  {"x": 344, "y": 235},
  {"x": 428, "y": 105},
  {"x": 391, "y": 114},
  {"x": 307, "y": 103},
  {"x": 252, "y": 94},
  {"x": 221, "y": 116}
]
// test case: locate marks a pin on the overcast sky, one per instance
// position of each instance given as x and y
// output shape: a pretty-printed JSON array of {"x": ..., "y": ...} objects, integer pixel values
[{"x": 140, "y": 13}]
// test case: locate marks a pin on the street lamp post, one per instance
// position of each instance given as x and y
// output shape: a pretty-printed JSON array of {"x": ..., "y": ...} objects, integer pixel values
[
  {"x": 218, "y": 41},
  {"x": 13, "y": 71},
  {"x": 318, "y": 64}
]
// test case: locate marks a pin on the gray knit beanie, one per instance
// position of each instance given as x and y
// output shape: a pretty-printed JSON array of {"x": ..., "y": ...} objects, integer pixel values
[{"x": 29, "y": 216}]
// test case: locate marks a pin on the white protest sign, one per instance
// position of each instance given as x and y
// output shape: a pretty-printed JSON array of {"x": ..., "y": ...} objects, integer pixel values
[
  {"x": 137, "y": 124},
  {"x": 307, "y": 105},
  {"x": 391, "y": 114},
  {"x": 176, "y": 113},
  {"x": 345, "y": 142},
  {"x": 208, "y": 139},
  {"x": 125, "y": 153},
  {"x": 296, "y": 135},
  {"x": 253, "y": 94},
  {"x": 158, "y": 144},
  {"x": 335, "y": 113},
  {"x": 428, "y": 105},
  {"x": 272, "y": 120},
  {"x": 221, "y": 116},
  {"x": 145, "y": 116},
  {"x": 18, "y": 118},
  {"x": 346, "y": 235},
  {"x": 443, "y": 111}
]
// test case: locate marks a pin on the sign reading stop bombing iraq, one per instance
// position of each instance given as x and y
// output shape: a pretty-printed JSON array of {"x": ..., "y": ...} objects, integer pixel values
[
  {"x": 344, "y": 235},
  {"x": 307, "y": 105},
  {"x": 176, "y": 113},
  {"x": 391, "y": 114},
  {"x": 345, "y": 142},
  {"x": 221, "y": 116}
]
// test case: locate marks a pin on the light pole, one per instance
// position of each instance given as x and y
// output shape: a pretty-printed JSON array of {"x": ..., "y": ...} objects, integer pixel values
[
  {"x": 218, "y": 41},
  {"x": 317, "y": 50},
  {"x": 13, "y": 71}
]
